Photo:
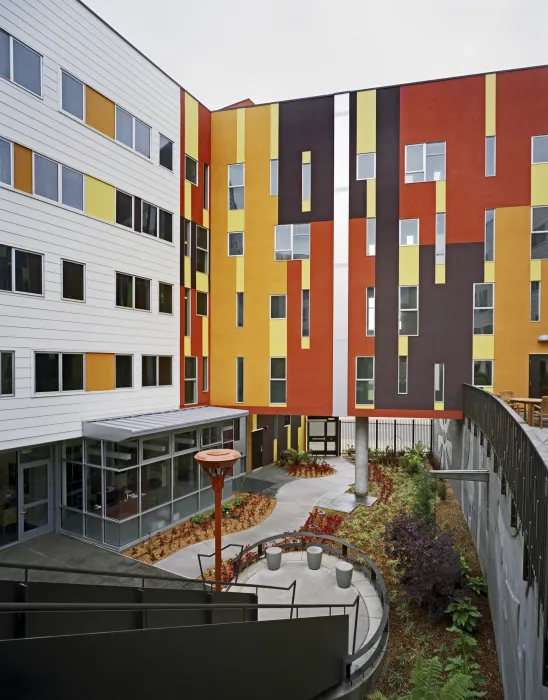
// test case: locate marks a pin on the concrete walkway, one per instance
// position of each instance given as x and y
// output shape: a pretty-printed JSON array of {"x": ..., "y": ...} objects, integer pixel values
[{"x": 294, "y": 502}]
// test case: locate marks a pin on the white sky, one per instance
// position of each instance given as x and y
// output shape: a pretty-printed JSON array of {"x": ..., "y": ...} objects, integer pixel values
[{"x": 223, "y": 51}]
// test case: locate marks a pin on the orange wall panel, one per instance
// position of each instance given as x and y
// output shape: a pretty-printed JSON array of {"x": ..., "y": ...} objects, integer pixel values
[
  {"x": 100, "y": 112},
  {"x": 22, "y": 168},
  {"x": 100, "y": 371}
]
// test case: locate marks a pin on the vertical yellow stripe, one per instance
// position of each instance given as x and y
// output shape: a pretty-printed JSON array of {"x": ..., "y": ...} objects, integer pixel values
[
  {"x": 440, "y": 196},
  {"x": 188, "y": 272},
  {"x": 305, "y": 274},
  {"x": 371, "y": 199},
  {"x": 366, "y": 122},
  {"x": 278, "y": 337},
  {"x": 254, "y": 422},
  {"x": 539, "y": 184},
  {"x": 305, "y": 205},
  {"x": 206, "y": 218},
  {"x": 489, "y": 272},
  {"x": 240, "y": 136},
  {"x": 440, "y": 274},
  {"x": 536, "y": 271},
  {"x": 289, "y": 436},
  {"x": 403, "y": 345},
  {"x": 188, "y": 200},
  {"x": 490, "y": 104},
  {"x": 307, "y": 157},
  {"x": 274, "y": 127},
  {"x": 409, "y": 265},
  {"x": 483, "y": 347},
  {"x": 191, "y": 127},
  {"x": 205, "y": 336},
  {"x": 275, "y": 448},
  {"x": 438, "y": 406},
  {"x": 240, "y": 273},
  {"x": 301, "y": 434},
  {"x": 187, "y": 346}
]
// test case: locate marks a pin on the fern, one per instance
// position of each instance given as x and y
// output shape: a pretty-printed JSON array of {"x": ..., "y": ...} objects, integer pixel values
[{"x": 427, "y": 679}]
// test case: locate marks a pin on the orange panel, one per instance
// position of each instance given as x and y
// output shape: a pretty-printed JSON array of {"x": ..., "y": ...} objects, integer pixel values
[
  {"x": 100, "y": 371},
  {"x": 22, "y": 168},
  {"x": 100, "y": 112}
]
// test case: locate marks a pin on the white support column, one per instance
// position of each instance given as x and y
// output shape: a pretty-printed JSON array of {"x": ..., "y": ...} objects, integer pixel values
[{"x": 362, "y": 456}]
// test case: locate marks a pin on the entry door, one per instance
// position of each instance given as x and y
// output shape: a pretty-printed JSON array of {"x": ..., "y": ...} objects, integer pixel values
[
  {"x": 34, "y": 500},
  {"x": 538, "y": 376},
  {"x": 323, "y": 435},
  {"x": 256, "y": 449}
]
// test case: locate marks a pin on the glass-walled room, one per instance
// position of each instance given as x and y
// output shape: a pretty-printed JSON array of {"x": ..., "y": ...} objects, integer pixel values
[{"x": 116, "y": 493}]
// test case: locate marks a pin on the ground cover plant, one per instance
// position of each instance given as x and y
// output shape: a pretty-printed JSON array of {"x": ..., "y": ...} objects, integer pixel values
[{"x": 304, "y": 465}]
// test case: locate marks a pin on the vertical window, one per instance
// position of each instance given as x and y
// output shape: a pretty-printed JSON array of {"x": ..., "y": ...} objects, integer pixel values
[
  {"x": 236, "y": 186},
  {"x": 402, "y": 374},
  {"x": 292, "y": 242},
  {"x": 124, "y": 371},
  {"x": 539, "y": 233},
  {"x": 26, "y": 67},
  {"x": 166, "y": 225},
  {"x": 235, "y": 243},
  {"x": 191, "y": 170},
  {"x": 239, "y": 309},
  {"x": 535, "y": 301},
  {"x": 305, "y": 313},
  {"x": 371, "y": 237},
  {"x": 73, "y": 281},
  {"x": 187, "y": 313},
  {"x": 273, "y": 178},
  {"x": 46, "y": 372},
  {"x": 201, "y": 304},
  {"x": 124, "y": 127},
  {"x": 202, "y": 250},
  {"x": 409, "y": 232},
  {"x": 156, "y": 370},
  {"x": 5, "y": 55},
  {"x": 489, "y": 235},
  {"x": 278, "y": 306},
  {"x": 165, "y": 298},
  {"x": 72, "y": 372},
  {"x": 142, "y": 138},
  {"x": 483, "y": 373},
  {"x": 490, "y": 156},
  {"x": 166, "y": 153},
  {"x": 366, "y": 166},
  {"x": 425, "y": 162},
  {"x": 439, "y": 381},
  {"x": 124, "y": 209},
  {"x": 5, "y": 162},
  {"x": 7, "y": 368},
  {"x": 206, "y": 186},
  {"x": 72, "y": 188},
  {"x": 191, "y": 380},
  {"x": 306, "y": 181},
  {"x": 72, "y": 97},
  {"x": 440, "y": 239},
  {"x": 205, "y": 374},
  {"x": 483, "y": 309},
  {"x": 539, "y": 149},
  {"x": 132, "y": 292},
  {"x": 239, "y": 380},
  {"x": 365, "y": 381},
  {"x": 149, "y": 219},
  {"x": 20, "y": 271},
  {"x": 278, "y": 380},
  {"x": 370, "y": 311},
  {"x": 188, "y": 234},
  {"x": 46, "y": 178},
  {"x": 409, "y": 311}
]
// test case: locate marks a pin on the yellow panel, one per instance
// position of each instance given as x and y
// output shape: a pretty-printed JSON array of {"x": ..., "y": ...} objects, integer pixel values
[
  {"x": 100, "y": 112},
  {"x": 206, "y": 218},
  {"x": 305, "y": 274},
  {"x": 489, "y": 272},
  {"x": 305, "y": 205},
  {"x": 22, "y": 168},
  {"x": 409, "y": 265},
  {"x": 305, "y": 343},
  {"x": 289, "y": 435},
  {"x": 236, "y": 219},
  {"x": 539, "y": 184},
  {"x": 205, "y": 336},
  {"x": 438, "y": 406},
  {"x": 440, "y": 274},
  {"x": 483, "y": 347},
  {"x": 274, "y": 126},
  {"x": 536, "y": 271},
  {"x": 240, "y": 136},
  {"x": 100, "y": 371},
  {"x": 301, "y": 434},
  {"x": 307, "y": 157},
  {"x": 187, "y": 346},
  {"x": 188, "y": 268},
  {"x": 403, "y": 345},
  {"x": 202, "y": 282},
  {"x": 490, "y": 104},
  {"x": 100, "y": 199},
  {"x": 278, "y": 337},
  {"x": 371, "y": 199},
  {"x": 188, "y": 200},
  {"x": 254, "y": 422},
  {"x": 366, "y": 407},
  {"x": 275, "y": 449},
  {"x": 240, "y": 278},
  {"x": 366, "y": 126},
  {"x": 191, "y": 127},
  {"x": 440, "y": 196}
]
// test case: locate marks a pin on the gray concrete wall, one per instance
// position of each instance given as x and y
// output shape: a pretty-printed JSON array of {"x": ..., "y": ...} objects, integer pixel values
[{"x": 500, "y": 548}]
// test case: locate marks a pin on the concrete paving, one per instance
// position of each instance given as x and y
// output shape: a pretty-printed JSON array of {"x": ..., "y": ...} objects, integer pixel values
[{"x": 295, "y": 499}]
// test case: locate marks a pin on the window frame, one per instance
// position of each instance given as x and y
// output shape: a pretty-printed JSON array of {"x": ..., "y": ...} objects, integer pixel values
[
  {"x": 83, "y": 266},
  {"x": 10, "y": 185},
  {"x": 11, "y": 80},
  {"x": 166, "y": 284},
  {"x": 206, "y": 295},
  {"x": 400, "y": 310},
  {"x": 293, "y": 235},
  {"x": 197, "y": 174},
  {"x": 157, "y": 385},
  {"x": 160, "y": 137},
  {"x": 362, "y": 179},
  {"x": 274, "y": 179},
  {"x": 235, "y": 255},
  {"x": 369, "y": 332},
  {"x": 440, "y": 238},
  {"x": 439, "y": 374},
  {"x": 12, "y": 353},
  {"x": 407, "y": 172},
  {"x": 277, "y": 318},
  {"x": 230, "y": 187},
  {"x": 537, "y": 136},
  {"x": 284, "y": 380},
  {"x": 205, "y": 250},
  {"x": 133, "y": 278},
  {"x": 207, "y": 185},
  {"x": 238, "y": 297},
  {"x": 305, "y": 332},
  {"x": 70, "y": 114},
  {"x": 131, "y": 227},
  {"x": 371, "y": 233},
  {"x": 483, "y": 308},
  {"x": 13, "y": 290},
  {"x": 494, "y": 234},
  {"x": 149, "y": 204},
  {"x": 532, "y": 282},
  {"x": 240, "y": 368},
  {"x": 483, "y": 386},
  {"x": 133, "y": 120},
  {"x": 60, "y": 389},
  {"x": 490, "y": 140},
  {"x": 191, "y": 379},
  {"x": 533, "y": 232},
  {"x": 409, "y": 245},
  {"x": 205, "y": 374},
  {"x": 124, "y": 388},
  {"x": 187, "y": 313},
  {"x": 306, "y": 182},
  {"x": 363, "y": 379},
  {"x": 400, "y": 375}
]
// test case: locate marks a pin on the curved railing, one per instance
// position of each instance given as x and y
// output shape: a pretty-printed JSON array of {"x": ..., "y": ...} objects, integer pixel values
[{"x": 296, "y": 541}]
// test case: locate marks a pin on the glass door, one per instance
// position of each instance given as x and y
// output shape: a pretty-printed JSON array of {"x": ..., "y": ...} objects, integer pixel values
[{"x": 34, "y": 500}]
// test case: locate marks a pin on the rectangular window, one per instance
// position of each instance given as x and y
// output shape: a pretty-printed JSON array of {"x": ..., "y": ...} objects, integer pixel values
[
  {"x": 166, "y": 225},
  {"x": 201, "y": 304},
  {"x": 305, "y": 313},
  {"x": 142, "y": 138},
  {"x": 56, "y": 182},
  {"x": 46, "y": 178},
  {"x": 6, "y": 162},
  {"x": 236, "y": 186},
  {"x": 371, "y": 237},
  {"x": 490, "y": 156},
  {"x": 166, "y": 153},
  {"x": 20, "y": 271},
  {"x": 132, "y": 292},
  {"x": 72, "y": 372},
  {"x": 273, "y": 178},
  {"x": 278, "y": 375},
  {"x": 164, "y": 370},
  {"x": 292, "y": 242},
  {"x": 58, "y": 372},
  {"x": 489, "y": 235},
  {"x": 191, "y": 170},
  {"x": 239, "y": 309},
  {"x": 366, "y": 166},
  {"x": 165, "y": 298},
  {"x": 191, "y": 380},
  {"x": 239, "y": 380},
  {"x": 72, "y": 188},
  {"x": 483, "y": 373},
  {"x": 425, "y": 162},
  {"x": 156, "y": 370},
  {"x": 235, "y": 243},
  {"x": 188, "y": 234},
  {"x": 409, "y": 232},
  {"x": 409, "y": 311},
  {"x": 535, "y": 301},
  {"x": 72, "y": 95},
  {"x": 7, "y": 371},
  {"x": 205, "y": 374},
  {"x": 402, "y": 374},
  {"x": 306, "y": 181},
  {"x": 440, "y": 239},
  {"x": 73, "y": 281},
  {"x": 539, "y": 233},
  {"x": 278, "y": 306},
  {"x": 539, "y": 149},
  {"x": 202, "y": 250},
  {"x": 187, "y": 313},
  {"x": 149, "y": 219},
  {"x": 439, "y": 381},
  {"x": 206, "y": 186},
  {"x": 124, "y": 371},
  {"x": 365, "y": 381},
  {"x": 132, "y": 132},
  {"x": 483, "y": 309},
  {"x": 124, "y": 209},
  {"x": 370, "y": 311},
  {"x": 20, "y": 64}
]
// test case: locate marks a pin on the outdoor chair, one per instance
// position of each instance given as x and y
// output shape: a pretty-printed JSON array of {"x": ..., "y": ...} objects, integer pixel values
[
  {"x": 542, "y": 411},
  {"x": 507, "y": 395}
]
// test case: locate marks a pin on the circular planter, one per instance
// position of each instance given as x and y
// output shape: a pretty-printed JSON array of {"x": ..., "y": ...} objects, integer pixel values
[
  {"x": 343, "y": 572},
  {"x": 274, "y": 558},
  {"x": 314, "y": 557}
]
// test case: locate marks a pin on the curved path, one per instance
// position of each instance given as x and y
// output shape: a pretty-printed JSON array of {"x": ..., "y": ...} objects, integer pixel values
[{"x": 294, "y": 502}]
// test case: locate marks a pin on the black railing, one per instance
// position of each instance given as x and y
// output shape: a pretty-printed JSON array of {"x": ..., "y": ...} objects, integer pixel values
[{"x": 388, "y": 433}]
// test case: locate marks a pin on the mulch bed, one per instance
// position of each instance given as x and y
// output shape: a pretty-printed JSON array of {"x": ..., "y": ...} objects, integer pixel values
[{"x": 307, "y": 471}]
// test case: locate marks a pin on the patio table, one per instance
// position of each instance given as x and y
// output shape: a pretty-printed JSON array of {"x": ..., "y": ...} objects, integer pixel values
[{"x": 528, "y": 406}]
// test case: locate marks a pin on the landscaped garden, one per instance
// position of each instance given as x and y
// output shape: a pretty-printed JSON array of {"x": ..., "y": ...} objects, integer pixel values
[{"x": 304, "y": 465}]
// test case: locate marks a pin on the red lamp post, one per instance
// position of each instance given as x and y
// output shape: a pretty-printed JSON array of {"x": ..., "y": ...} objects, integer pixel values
[{"x": 217, "y": 463}]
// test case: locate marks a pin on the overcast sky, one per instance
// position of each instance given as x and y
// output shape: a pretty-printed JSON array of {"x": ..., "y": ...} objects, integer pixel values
[{"x": 223, "y": 51}]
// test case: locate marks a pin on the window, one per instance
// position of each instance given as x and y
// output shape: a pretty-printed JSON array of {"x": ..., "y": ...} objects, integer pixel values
[
  {"x": 73, "y": 280},
  {"x": 206, "y": 186},
  {"x": 205, "y": 374},
  {"x": 132, "y": 132},
  {"x": 58, "y": 372},
  {"x": 142, "y": 138},
  {"x": 7, "y": 380},
  {"x": 535, "y": 301},
  {"x": 191, "y": 170},
  {"x": 292, "y": 242},
  {"x": 490, "y": 156},
  {"x": 235, "y": 243},
  {"x": 539, "y": 235},
  {"x": 239, "y": 309},
  {"x": 201, "y": 304},
  {"x": 409, "y": 232},
  {"x": 72, "y": 188},
  {"x": 278, "y": 306},
  {"x": 149, "y": 219},
  {"x": 371, "y": 237},
  {"x": 370, "y": 311},
  {"x": 278, "y": 379},
  {"x": 539, "y": 149},
  {"x": 156, "y": 370},
  {"x": 236, "y": 186},
  {"x": 124, "y": 371},
  {"x": 483, "y": 373},
  {"x": 166, "y": 225},
  {"x": 187, "y": 313},
  {"x": 165, "y": 298},
  {"x": 409, "y": 311},
  {"x": 273, "y": 178},
  {"x": 72, "y": 99},
  {"x": 124, "y": 209},
  {"x": 239, "y": 380},
  {"x": 305, "y": 313},
  {"x": 440, "y": 239},
  {"x": 483, "y": 309},
  {"x": 365, "y": 381},
  {"x": 202, "y": 250},
  {"x": 46, "y": 178},
  {"x": 425, "y": 162},
  {"x": 366, "y": 166},
  {"x": 439, "y": 380},
  {"x": 191, "y": 380},
  {"x": 402, "y": 374},
  {"x": 20, "y": 64},
  {"x": 166, "y": 153},
  {"x": 129, "y": 288},
  {"x": 489, "y": 250},
  {"x": 20, "y": 271},
  {"x": 5, "y": 162},
  {"x": 306, "y": 181}
]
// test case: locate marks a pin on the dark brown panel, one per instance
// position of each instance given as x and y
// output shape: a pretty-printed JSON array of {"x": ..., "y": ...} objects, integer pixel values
[
  {"x": 193, "y": 255},
  {"x": 295, "y": 425},
  {"x": 267, "y": 423},
  {"x": 358, "y": 188},
  {"x": 182, "y": 228},
  {"x": 282, "y": 435},
  {"x": 137, "y": 214},
  {"x": 306, "y": 125}
]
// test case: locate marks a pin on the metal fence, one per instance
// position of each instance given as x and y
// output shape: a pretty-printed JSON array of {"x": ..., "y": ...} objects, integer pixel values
[{"x": 385, "y": 432}]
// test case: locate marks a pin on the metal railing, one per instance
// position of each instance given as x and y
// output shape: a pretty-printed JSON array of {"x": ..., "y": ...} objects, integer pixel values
[{"x": 385, "y": 432}]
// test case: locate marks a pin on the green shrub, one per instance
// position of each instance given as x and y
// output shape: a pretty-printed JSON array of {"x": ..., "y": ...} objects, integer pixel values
[
  {"x": 226, "y": 507},
  {"x": 477, "y": 584},
  {"x": 424, "y": 505},
  {"x": 442, "y": 490},
  {"x": 198, "y": 519},
  {"x": 238, "y": 501},
  {"x": 464, "y": 661},
  {"x": 465, "y": 615}
]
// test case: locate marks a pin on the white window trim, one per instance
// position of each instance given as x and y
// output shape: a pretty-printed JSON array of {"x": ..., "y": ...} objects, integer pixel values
[
  {"x": 60, "y": 354},
  {"x": 205, "y": 250},
  {"x": 13, "y": 290},
  {"x": 400, "y": 310},
  {"x": 83, "y": 265},
  {"x": 191, "y": 379},
  {"x": 483, "y": 386},
  {"x": 275, "y": 160},
  {"x": 302, "y": 313},
  {"x": 133, "y": 277},
  {"x": 277, "y": 318},
  {"x": 367, "y": 253},
  {"x": 540, "y": 206},
  {"x": 402, "y": 393},
  {"x": 361, "y": 179},
  {"x": 440, "y": 254},
  {"x": 13, "y": 38},
  {"x": 207, "y": 185},
  {"x": 70, "y": 114},
  {"x": 243, "y": 305},
  {"x": 205, "y": 374},
  {"x": 230, "y": 187},
  {"x": 409, "y": 245},
  {"x": 491, "y": 139},
  {"x": 270, "y": 380},
  {"x": 293, "y": 235},
  {"x": 536, "y": 136},
  {"x": 531, "y": 300},
  {"x": 494, "y": 233},
  {"x": 235, "y": 255},
  {"x": 207, "y": 302},
  {"x": 478, "y": 308},
  {"x": 158, "y": 385},
  {"x": 197, "y": 173},
  {"x": 59, "y": 200},
  {"x": 10, "y": 185},
  {"x": 188, "y": 319},
  {"x": 413, "y": 172},
  {"x": 166, "y": 313},
  {"x": 363, "y": 379},
  {"x": 442, "y": 400},
  {"x": 125, "y": 388},
  {"x": 306, "y": 197},
  {"x": 369, "y": 333},
  {"x": 240, "y": 357},
  {"x": 12, "y": 353},
  {"x": 170, "y": 170}
]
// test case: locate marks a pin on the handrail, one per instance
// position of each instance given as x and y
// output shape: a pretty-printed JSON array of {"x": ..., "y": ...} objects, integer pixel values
[{"x": 67, "y": 607}]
